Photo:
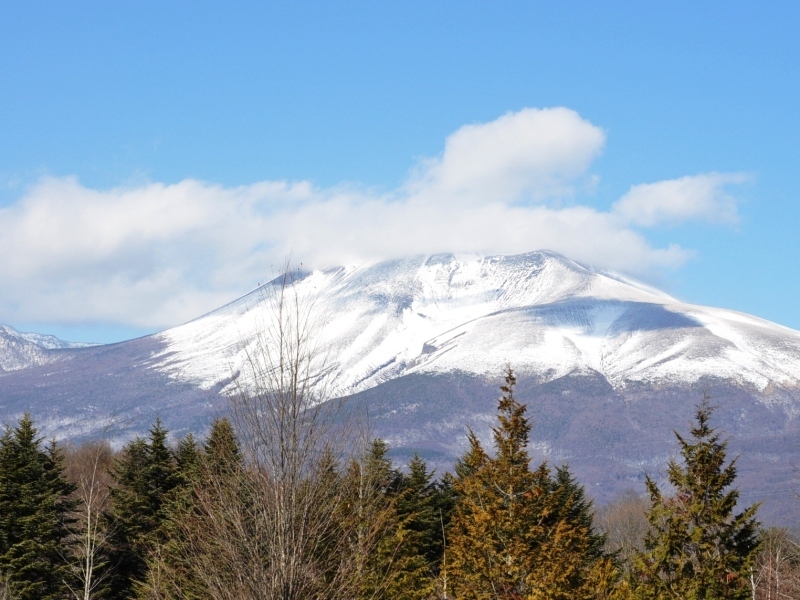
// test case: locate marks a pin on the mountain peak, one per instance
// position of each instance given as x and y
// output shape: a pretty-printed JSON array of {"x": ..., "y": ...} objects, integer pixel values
[{"x": 544, "y": 313}]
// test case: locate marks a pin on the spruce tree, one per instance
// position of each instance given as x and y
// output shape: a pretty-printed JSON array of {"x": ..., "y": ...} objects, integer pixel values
[
  {"x": 517, "y": 532},
  {"x": 221, "y": 449},
  {"x": 386, "y": 550},
  {"x": 34, "y": 509},
  {"x": 211, "y": 484},
  {"x": 144, "y": 474},
  {"x": 188, "y": 458},
  {"x": 698, "y": 548},
  {"x": 418, "y": 508}
]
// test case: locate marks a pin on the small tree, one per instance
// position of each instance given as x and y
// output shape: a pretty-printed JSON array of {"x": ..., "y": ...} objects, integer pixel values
[
  {"x": 419, "y": 507},
  {"x": 698, "y": 549}
]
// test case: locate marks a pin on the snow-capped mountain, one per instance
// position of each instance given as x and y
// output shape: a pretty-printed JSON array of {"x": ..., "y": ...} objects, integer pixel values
[
  {"x": 608, "y": 366},
  {"x": 20, "y": 350},
  {"x": 540, "y": 312}
]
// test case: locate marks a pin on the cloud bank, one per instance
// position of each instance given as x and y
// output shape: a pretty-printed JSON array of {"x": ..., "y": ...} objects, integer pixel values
[{"x": 156, "y": 255}]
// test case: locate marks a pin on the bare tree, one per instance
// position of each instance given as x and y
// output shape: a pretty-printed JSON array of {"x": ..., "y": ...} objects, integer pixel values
[
  {"x": 88, "y": 467},
  {"x": 279, "y": 408},
  {"x": 776, "y": 572},
  {"x": 624, "y": 522},
  {"x": 282, "y": 523}
]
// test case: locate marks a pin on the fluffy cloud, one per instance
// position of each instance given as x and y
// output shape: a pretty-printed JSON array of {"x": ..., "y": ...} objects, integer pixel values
[
  {"x": 156, "y": 255},
  {"x": 531, "y": 154},
  {"x": 701, "y": 197}
]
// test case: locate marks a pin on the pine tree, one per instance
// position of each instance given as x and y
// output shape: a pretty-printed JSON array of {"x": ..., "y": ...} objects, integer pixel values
[
  {"x": 34, "y": 508},
  {"x": 698, "y": 549},
  {"x": 518, "y": 533}
]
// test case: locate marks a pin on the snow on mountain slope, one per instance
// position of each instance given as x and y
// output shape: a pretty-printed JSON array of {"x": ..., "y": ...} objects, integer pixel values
[{"x": 542, "y": 313}]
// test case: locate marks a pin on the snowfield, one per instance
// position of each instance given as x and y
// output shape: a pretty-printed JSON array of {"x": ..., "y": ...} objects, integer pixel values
[{"x": 545, "y": 315}]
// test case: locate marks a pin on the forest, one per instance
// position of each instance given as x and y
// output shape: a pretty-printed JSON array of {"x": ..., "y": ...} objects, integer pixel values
[{"x": 284, "y": 498}]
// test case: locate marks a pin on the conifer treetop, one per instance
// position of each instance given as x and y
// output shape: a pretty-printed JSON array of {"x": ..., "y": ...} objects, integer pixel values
[{"x": 698, "y": 547}]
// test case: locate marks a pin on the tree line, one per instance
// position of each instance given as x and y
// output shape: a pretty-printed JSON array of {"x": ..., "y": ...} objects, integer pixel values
[{"x": 215, "y": 519}]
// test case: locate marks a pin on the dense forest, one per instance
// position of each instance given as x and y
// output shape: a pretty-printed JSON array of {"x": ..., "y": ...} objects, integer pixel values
[{"x": 288, "y": 498}]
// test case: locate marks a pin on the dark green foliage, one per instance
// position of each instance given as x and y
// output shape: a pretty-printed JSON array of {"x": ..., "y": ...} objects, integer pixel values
[
  {"x": 698, "y": 548},
  {"x": 212, "y": 487},
  {"x": 445, "y": 503},
  {"x": 222, "y": 451},
  {"x": 34, "y": 508},
  {"x": 573, "y": 507},
  {"x": 418, "y": 508},
  {"x": 188, "y": 457},
  {"x": 383, "y": 542},
  {"x": 145, "y": 474}
]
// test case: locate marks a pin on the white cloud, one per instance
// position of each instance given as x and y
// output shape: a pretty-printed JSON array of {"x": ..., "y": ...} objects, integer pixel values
[
  {"x": 155, "y": 255},
  {"x": 701, "y": 197},
  {"x": 530, "y": 154}
]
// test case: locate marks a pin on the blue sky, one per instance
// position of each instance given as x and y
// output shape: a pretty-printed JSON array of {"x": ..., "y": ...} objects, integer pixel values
[{"x": 159, "y": 159}]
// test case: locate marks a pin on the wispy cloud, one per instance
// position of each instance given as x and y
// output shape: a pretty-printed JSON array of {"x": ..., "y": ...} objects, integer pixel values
[
  {"x": 702, "y": 198},
  {"x": 155, "y": 255}
]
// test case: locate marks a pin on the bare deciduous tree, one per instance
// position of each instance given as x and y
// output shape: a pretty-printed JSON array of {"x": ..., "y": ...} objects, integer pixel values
[
  {"x": 282, "y": 523},
  {"x": 279, "y": 408},
  {"x": 776, "y": 572},
  {"x": 87, "y": 466},
  {"x": 624, "y": 522}
]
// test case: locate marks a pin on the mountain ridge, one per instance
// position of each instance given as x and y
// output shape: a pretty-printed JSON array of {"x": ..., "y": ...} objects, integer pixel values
[{"x": 422, "y": 302}]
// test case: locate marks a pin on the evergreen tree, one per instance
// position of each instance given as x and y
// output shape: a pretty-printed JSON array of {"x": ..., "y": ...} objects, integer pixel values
[
  {"x": 222, "y": 451},
  {"x": 34, "y": 508},
  {"x": 698, "y": 549},
  {"x": 211, "y": 490},
  {"x": 444, "y": 505},
  {"x": 518, "y": 533},
  {"x": 473, "y": 460},
  {"x": 145, "y": 474},
  {"x": 391, "y": 565},
  {"x": 188, "y": 458},
  {"x": 418, "y": 508}
]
